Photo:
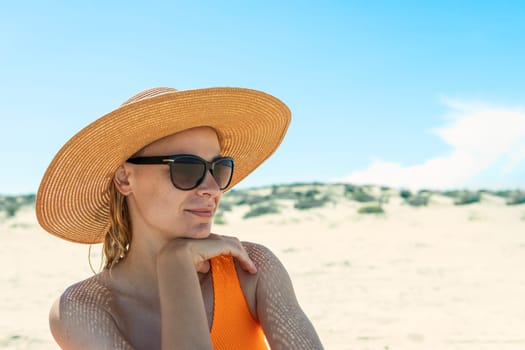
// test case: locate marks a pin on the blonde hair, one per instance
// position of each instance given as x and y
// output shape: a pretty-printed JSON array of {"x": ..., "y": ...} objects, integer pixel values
[{"x": 118, "y": 237}]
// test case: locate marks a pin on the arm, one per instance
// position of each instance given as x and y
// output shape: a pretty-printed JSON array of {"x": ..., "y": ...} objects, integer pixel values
[
  {"x": 284, "y": 322},
  {"x": 183, "y": 316},
  {"x": 76, "y": 322}
]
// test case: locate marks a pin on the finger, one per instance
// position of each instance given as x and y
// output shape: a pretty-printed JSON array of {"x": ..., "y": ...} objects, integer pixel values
[
  {"x": 248, "y": 266},
  {"x": 214, "y": 245},
  {"x": 203, "y": 266},
  {"x": 242, "y": 256}
]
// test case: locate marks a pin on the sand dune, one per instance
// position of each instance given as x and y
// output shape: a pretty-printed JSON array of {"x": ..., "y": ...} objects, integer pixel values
[{"x": 438, "y": 277}]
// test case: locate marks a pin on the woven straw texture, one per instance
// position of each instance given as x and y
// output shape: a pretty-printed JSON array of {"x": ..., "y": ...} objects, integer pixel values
[{"x": 72, "y": 200}]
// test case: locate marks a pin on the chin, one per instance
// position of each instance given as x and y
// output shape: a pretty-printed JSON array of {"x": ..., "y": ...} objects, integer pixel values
[{"x": 202, "y": 232}]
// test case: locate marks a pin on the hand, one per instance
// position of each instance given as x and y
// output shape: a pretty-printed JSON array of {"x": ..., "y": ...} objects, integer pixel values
[{"x": 202, "y": 250}]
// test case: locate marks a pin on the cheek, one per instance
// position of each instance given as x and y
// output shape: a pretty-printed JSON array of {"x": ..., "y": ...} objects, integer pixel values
[
  {"x": 161, "y": 211},
  {"x": 156, "y": 198}
]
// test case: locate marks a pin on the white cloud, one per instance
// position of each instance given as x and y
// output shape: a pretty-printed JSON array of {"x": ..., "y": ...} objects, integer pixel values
[{"x": 479, "y": 136}]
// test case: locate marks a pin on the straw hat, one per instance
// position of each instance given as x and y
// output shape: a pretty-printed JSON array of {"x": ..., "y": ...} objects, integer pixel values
[{"x": 73, "y": 198}]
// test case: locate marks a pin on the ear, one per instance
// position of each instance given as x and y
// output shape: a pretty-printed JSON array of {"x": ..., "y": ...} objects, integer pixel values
[{"x": 121, "y": 181}]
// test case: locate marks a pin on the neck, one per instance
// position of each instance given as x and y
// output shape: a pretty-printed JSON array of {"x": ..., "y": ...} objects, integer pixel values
[{"x": 136, "y": 274}]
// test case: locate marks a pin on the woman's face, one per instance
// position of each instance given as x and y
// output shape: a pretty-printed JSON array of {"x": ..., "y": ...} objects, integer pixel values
[{"x": 156, "y": 207}]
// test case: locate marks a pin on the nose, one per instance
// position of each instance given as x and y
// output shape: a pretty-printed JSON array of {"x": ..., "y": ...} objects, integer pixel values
[{"x": 208, "y": 186}]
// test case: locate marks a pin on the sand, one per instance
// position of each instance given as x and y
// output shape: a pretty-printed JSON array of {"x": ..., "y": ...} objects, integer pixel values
[{"x": 438, "y": 277}]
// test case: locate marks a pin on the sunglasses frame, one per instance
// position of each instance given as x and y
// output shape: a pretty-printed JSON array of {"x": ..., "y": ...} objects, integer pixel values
[{"x": 171, "y": 159}]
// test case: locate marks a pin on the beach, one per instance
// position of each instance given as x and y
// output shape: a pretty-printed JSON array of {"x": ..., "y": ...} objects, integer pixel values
[{"x": 435, "y": 277}]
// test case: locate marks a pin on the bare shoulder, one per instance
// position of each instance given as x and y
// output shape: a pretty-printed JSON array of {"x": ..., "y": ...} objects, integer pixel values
[
  {"x": 272, "y": 276},
  {"x": 89, "y": 291},
  {"x": 263, "y": 258},
  {"x": 81, "y": 317},
  {"x": 268, "y": 265},
  {"x": 285, "y": 324},
  {"x": 260, "y": 254}
]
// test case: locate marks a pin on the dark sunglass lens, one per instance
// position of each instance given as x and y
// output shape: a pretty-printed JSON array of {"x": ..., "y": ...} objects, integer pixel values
[
  {"x": 222, "y": 172},
  {"x": 186, "y": 172}
]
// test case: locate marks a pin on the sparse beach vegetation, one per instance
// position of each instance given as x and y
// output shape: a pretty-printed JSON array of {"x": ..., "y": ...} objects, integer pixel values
[
  {"x": 515, "y": 197},
  {"x": 9, "y": 205},
  {"x": 467, "y": 197},
  {"x": 305, "y": 196},
  {"x": 360, "y": 195},
  {"x": 225, "y": 206},
  {"x": 262, "y": 209},
  {"x": 405, "y": 194},
  {"x": 371, "y": 209},
  {"x": 311, "y": 199},
  {"x": 419, "y": 199}
]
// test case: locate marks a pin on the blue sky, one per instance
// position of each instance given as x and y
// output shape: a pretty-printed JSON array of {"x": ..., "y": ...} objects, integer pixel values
[{"x": 399, "y": 93}]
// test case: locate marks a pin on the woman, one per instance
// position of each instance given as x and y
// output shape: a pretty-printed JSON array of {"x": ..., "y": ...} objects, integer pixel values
[{"x": 147, "y": 179}]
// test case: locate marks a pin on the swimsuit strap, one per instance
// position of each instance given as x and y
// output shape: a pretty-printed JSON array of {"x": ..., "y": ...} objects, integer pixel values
[{"x": 233, "y": 325}]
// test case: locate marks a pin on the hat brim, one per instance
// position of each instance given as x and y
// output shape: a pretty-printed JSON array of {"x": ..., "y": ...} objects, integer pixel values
[{"x": 73, "y": 198}]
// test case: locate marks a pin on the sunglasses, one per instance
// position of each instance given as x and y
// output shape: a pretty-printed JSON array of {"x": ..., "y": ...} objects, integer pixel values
[{"x": 188, "y": 171}]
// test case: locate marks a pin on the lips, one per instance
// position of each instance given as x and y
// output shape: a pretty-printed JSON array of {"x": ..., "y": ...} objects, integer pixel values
[{"x": 201, "y": 212}]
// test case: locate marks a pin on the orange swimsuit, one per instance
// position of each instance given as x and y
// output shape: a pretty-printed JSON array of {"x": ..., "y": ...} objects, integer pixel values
[{"x": 233, "y": 325}]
